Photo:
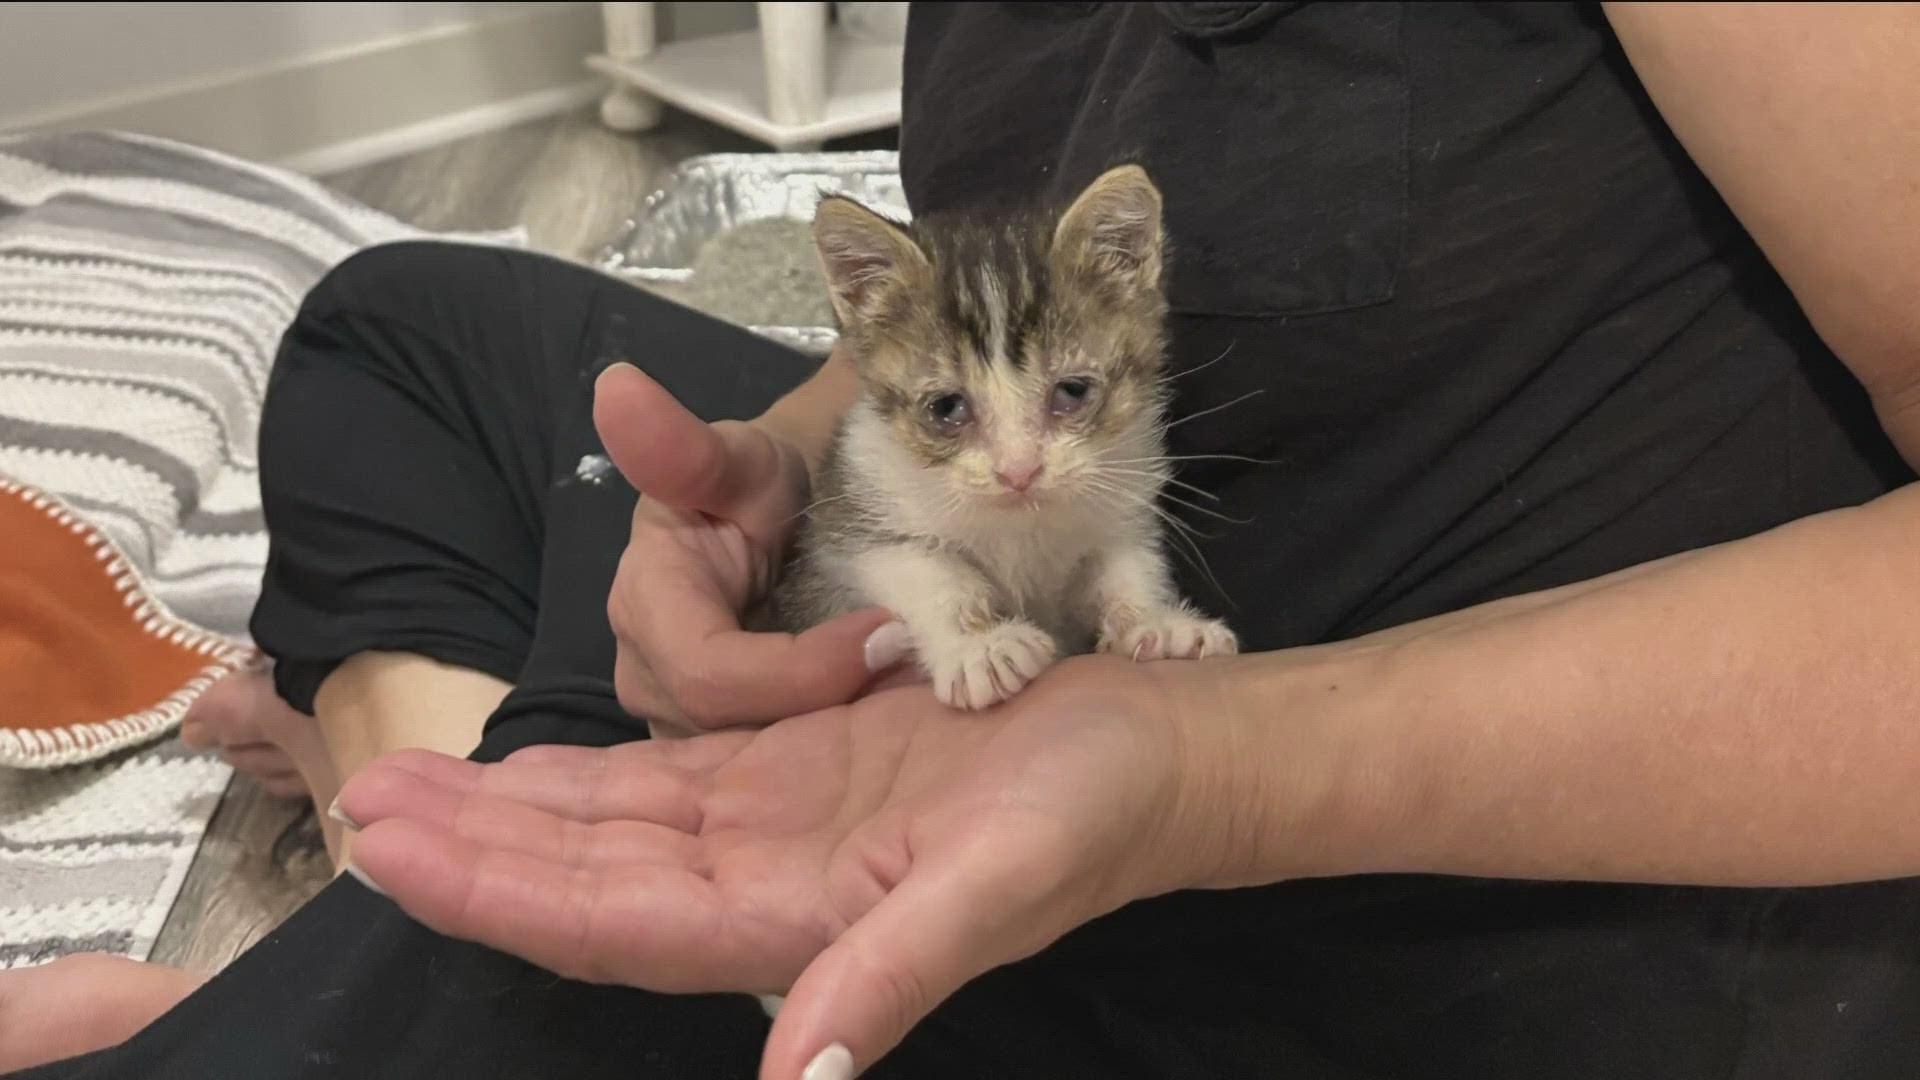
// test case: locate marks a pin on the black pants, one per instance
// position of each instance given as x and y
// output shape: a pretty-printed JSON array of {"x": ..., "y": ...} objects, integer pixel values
[{"x": 422, "y": 458}]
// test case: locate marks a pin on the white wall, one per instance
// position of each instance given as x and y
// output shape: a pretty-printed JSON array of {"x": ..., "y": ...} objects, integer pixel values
[
  {"x": 58, "y": 58},
  {"x": 318, "y": 85}
]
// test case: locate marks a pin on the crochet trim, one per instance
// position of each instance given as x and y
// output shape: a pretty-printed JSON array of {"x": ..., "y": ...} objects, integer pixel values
[{"x": 46, "y": 749}]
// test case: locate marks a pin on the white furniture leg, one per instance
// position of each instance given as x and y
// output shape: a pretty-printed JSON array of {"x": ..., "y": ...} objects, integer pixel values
[
  {"x": 792, "y": 83},
  {"x": 793, "y": 46},
  {"x": 630, "y": 36}
]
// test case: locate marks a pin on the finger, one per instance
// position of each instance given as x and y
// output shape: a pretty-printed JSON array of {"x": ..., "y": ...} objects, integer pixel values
[
  {"x": 623, "y": 783},
  {"x": 897, "y": 676},
  {"x": 443, "y": 769},
  {"x": 508, "y": 825},
  {"x": 658, "y": 928},
  {"x": 698, "y": 756},
  {"x": 666, "y": 452},
  {"x": 887, "y": 972},
  {"x": 720, "y": 675}
]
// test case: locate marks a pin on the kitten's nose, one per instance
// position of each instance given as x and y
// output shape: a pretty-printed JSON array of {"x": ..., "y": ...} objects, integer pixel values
[{"x": 1019, "y": 477}]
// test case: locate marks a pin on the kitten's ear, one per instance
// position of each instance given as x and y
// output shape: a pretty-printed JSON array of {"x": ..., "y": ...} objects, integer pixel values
[
  {"x": 1113, "y": 229},
  {"x": 865, "y": 257}
]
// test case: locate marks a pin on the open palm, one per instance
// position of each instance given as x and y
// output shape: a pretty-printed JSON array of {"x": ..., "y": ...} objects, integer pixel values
[{"x": 867, "y": 860}]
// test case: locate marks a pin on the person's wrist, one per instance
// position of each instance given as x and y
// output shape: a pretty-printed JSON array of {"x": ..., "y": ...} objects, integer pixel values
[{"x": 1283, "y": 772}]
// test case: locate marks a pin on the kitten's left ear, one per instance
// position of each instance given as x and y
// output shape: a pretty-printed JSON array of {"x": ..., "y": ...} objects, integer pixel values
[
  {"x": 866, "y": 258},
  {"x": 1113, "y": 229}
]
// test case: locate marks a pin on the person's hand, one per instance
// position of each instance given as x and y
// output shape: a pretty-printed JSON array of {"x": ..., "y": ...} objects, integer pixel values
[
  {"x": 718, "y": 505},
  {"x": 866, "y": 860}
]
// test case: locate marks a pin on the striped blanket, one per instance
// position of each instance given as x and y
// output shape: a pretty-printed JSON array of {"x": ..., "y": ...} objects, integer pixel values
[{"x": 143, "y": 289}]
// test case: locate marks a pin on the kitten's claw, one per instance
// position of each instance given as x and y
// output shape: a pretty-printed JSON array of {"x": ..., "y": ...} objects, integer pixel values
[
  {"x": 1167, "y": 635},
  {"x": 981, "y": 670}
]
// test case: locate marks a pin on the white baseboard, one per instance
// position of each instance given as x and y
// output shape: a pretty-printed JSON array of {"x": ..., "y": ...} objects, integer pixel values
[
  {"x": 408, "y": 138},
  {"x": 358, "y": 106}
]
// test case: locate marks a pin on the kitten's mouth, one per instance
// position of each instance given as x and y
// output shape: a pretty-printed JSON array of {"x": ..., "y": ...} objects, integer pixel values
[{"x": 1016, "y": 500}]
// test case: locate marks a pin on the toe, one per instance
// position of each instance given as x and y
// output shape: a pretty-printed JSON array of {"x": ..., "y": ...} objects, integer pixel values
[
  {"x": 261, "y": 760},
  {"x": 1219, "y": 641},
  {"x": 284, "y": 787},
  {"x": 211, "y": 720},
  {"x": 979, "y": 680},
  {"x": 1189, "y": 642},
  {"x": 197, "y": 734},
  {"x": 1147, "y": 646},
  {"x": 950, "y": 689}
]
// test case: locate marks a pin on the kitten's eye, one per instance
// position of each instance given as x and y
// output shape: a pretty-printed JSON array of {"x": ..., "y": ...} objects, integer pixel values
[
  {"x": 950, "y": 411},
  {"x": 1070, "y": 396}
]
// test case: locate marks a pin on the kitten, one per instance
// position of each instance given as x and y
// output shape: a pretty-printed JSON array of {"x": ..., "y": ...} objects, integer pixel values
[{"x": 995, "y": 485}]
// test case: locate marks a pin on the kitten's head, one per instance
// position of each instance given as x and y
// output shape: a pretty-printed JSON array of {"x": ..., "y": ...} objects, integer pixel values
[{"x": 1017, "y": 356}]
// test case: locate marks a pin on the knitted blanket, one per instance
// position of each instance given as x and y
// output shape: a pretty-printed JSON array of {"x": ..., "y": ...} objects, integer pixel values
[
  {"x": 143, "y": 289},
  {"x": 144, "y": 286}
]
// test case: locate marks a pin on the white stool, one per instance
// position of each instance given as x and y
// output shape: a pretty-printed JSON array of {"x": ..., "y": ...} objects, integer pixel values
[{"x": 792, "y": 84}]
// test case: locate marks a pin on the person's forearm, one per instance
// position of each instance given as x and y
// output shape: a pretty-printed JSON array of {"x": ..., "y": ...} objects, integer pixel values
[
  {"x": 1745, "y": 714},
  {"x": 807, "y": 416}
]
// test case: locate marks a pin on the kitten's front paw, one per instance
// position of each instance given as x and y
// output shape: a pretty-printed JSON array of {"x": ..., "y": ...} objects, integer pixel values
[
  {"x": 977, "y": 671},
  {"x": 1170, "y": 634}
]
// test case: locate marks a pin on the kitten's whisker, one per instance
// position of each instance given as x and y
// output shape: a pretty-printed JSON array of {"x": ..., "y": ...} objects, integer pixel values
[
  {"x": 1170, "y": 458},
  {"x": 1215, "y": 409},
  {"x": 1208, "y": 364},
  {"x": 953, "y": 504},
  {"x": 1103, "y": 486},
  {"x": 1198, "y": 509},
  {"x": 804, "y": 511},
  {"x": 1200, "y": 491},
  {"x": 1131, "y": 498},
  {"x": 1150, "y": 475},
  {"x": 1197, "y": 560},
  {"x": 1124, "y": 502}
]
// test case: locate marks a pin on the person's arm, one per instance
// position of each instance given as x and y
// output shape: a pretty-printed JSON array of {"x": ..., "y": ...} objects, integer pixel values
[{"x": 1744, "y": 714}]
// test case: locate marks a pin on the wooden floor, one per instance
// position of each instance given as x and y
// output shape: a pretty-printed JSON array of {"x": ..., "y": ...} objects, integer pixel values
[{"x": 572, "y": 184}]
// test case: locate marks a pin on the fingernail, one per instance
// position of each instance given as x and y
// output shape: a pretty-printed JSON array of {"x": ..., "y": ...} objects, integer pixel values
[
  {"x": 334, "y": 812},
  {"x": 360, "y": 876},
  {"x": 833, "y": 1063},
  {"x": 886, "y": 646}
]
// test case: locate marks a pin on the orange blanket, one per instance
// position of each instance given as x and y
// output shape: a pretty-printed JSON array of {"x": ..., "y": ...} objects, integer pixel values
[{"x": 89, "y": 661}]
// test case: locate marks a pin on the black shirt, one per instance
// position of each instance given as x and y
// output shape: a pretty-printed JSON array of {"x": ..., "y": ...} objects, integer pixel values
[
  {"x": 1498, "y": 332},
  {"x": 1447, "y": 269}
]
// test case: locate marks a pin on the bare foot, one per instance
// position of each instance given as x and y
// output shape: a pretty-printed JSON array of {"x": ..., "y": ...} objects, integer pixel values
[
  {"x": 82, "y": 1003},
  {"x": 261, "y": 736}
]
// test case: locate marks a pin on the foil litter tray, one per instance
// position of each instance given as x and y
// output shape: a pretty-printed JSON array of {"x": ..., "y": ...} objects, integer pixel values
[{"x": 729, "y": 235}]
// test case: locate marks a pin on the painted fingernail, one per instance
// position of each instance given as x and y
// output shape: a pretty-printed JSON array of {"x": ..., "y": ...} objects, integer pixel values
[
  {"x": 833, "y": 1063},
  {"x": 886, "y": 646},
  {"x": 360, "y": 876},
  {"x": 339, "y": 815}
]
